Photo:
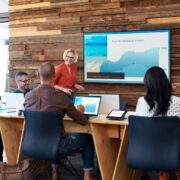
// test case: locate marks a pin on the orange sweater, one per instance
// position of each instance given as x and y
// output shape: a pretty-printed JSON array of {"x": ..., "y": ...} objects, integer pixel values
[{"x": 63, "y": 77}]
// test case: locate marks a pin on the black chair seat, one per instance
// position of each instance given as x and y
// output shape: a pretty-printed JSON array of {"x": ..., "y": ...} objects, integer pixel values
[
  {"x": 154, "y": 143},
  {"x": 42, "y": 135},
  {"x": 42, "y": 138}
]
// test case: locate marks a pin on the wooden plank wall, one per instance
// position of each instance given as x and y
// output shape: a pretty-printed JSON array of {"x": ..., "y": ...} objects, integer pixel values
[{"x": 40, "y": 30}]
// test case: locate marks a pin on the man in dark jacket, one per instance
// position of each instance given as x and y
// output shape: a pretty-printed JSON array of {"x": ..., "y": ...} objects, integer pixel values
[{"x": 46, "y": 98}]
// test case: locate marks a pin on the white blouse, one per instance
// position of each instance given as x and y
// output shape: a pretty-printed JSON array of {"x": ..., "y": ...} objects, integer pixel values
[{"x": 142, "y": 107}]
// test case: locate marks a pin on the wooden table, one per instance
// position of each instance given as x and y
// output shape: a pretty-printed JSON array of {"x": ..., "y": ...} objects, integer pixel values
[{"x": 110, "y": 139}]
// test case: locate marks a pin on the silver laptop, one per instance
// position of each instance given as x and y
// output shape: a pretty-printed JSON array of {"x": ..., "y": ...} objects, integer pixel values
[
  {"x": 108, "y": 102},
  {"x": 14, "y": 100},
  {"x": 91, "y": 104}
]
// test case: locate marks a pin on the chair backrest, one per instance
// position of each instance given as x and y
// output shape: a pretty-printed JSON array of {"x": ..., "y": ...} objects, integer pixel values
[
  {"x": 42, "y": 135},
  {"x": 154, "y": 143},
  {"x": 123, "y": 105}
]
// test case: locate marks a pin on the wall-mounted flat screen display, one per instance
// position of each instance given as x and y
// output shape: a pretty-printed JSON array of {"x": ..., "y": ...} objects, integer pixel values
[{"x": 124, "y": 57}]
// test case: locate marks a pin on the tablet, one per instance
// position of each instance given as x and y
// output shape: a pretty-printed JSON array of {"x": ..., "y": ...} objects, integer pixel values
[{"x": 116, "y": 115}]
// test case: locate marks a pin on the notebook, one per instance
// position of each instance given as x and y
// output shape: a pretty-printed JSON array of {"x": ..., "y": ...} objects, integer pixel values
[
  {"x": 90, "y": 103},
  {"x": 108, "y": 102},
  {"x": 14, "y": 100}
]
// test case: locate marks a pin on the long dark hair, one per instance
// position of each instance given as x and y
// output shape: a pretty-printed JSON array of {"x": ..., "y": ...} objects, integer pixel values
[{"x": 158, "y": 90}]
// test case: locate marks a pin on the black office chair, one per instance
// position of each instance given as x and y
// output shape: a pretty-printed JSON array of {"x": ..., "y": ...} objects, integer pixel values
[
  {"x": 154, "y": 143},
  {"x": 123, "y": 105},
  {"x": 42, "y": 137}
]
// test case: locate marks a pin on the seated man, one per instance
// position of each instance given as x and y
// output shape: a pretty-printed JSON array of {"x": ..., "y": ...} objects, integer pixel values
[
  {"x": 46, "y": 98},
  {"x": 22, "y": 81}
]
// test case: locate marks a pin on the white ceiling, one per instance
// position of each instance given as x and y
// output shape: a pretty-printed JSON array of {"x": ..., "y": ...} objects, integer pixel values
[{"x": 4, "y": 6}]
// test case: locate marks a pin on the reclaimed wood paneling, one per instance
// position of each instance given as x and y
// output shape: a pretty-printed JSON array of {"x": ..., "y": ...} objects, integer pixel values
[
  {"x": 36, "y": 14},
  {"x": 40, "y": 30},
  {"x": 163, "y": 20},
  {"x": 89, "y": 6},
  {"x": 29, "y": 6}
]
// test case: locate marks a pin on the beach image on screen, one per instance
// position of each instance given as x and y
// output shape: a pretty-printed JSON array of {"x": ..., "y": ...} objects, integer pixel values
[
  {"x": 91, "y": 104},
  {"x": 124, "y": 56}
]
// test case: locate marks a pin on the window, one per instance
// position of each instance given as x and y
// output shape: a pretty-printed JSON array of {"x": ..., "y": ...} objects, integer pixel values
[
  {"x": 4, "y": 55},
  {"x": 4, "y": 38}
]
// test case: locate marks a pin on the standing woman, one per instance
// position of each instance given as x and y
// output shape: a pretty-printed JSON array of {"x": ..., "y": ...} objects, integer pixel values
[{"x": 65, "y": 73}]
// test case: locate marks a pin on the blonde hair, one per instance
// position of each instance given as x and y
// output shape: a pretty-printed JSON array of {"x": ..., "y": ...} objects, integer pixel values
[{"x": 72, "y": 51}]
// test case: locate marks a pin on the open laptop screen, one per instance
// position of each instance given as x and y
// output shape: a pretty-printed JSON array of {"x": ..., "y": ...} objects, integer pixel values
[
  {"x": 108, "y": 102},
  {"x": 91, "y": 104},
  {"x": 14, "y": 100}
]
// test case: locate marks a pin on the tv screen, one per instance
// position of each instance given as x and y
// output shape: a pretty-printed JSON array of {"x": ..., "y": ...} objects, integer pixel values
[{"x": 124, "y": 57}]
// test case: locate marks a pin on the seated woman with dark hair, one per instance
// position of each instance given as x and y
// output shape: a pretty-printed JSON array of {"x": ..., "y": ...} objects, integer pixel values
[{"x": 158, "y": 100}]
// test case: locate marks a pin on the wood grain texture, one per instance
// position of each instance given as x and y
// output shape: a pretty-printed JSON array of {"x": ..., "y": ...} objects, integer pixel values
[
  {"x": 40, "y": 30},
  {"x": 28, "y": 6},
  {"x": 68, "y": 3},
  {"x": 163, "y": 20},
  {"x": 34, "y": 13},
  {"x": 90, "y": 6},
  {"x": 31, "y": 31}
]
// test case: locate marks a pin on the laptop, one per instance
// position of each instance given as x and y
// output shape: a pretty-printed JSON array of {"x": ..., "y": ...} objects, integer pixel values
[
  {"x": 108, "y": 102},
  {"x": 14, "y": 100},
  {"x": 90, "y": 103}
]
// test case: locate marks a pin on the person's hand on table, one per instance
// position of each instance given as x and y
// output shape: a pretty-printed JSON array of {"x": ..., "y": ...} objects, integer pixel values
[{"x": 80, "y": 108}]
